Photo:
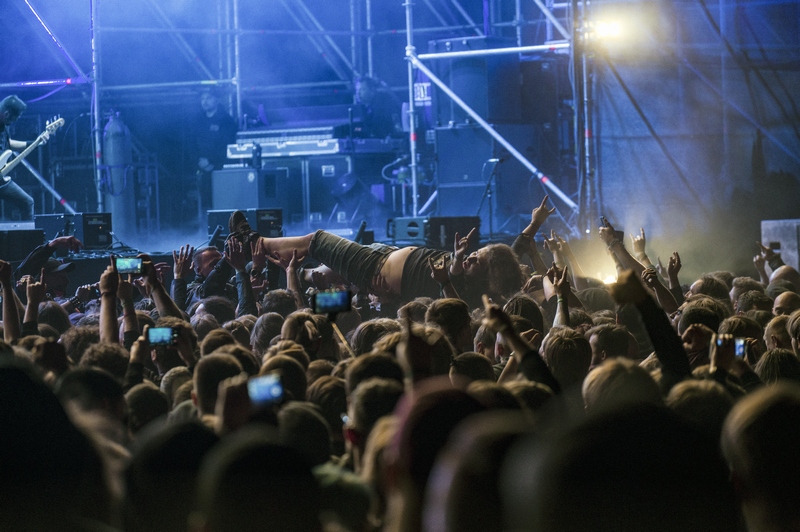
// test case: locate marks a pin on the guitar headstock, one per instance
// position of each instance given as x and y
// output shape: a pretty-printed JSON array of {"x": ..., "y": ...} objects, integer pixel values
[{"x": 54, "y": 124}]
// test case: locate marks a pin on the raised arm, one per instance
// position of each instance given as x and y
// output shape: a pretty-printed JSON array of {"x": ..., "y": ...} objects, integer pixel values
[
  {"x": 525, "y": 245},
  {"x": 440, "y": 275},
  {"x": 460, "y": 248},
  {"x": 617, "y": 247},
  {"x": 164, "y": 304},
  {"x": 109, "y": 283},
  {"x": 12, "y": 329},
  {"x": 237, "y": 258},
  {"x": 36, "y": 293}
]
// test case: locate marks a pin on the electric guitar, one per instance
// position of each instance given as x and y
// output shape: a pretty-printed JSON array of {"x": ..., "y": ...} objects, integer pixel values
[{"x": 5, "y": 169}]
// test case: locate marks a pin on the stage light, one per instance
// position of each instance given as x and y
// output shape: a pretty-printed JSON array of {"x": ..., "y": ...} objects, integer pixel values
[
  {"x": 607, "y": 30},
  {"x": 611, "y": 279}
]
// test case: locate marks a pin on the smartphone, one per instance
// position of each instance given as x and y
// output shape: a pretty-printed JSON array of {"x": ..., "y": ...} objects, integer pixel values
[
  {"x": 162, "y": 336},
  {"x": 331, "y": 301},
  {"x": 265, "y": 390},
  {"x": 740, "y": 348},
  {"x": 129, "y": 265}
]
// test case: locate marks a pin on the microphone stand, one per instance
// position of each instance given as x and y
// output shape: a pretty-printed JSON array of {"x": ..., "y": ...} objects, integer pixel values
[{"x": 487, "y": 194}]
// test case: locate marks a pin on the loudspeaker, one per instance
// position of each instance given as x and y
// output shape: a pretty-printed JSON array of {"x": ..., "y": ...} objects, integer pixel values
[
  {"x": 464, "y": 168},
  {"x": 93, "y": 229},
  {"x": 17, "y": 244},
  {"x": 490, "y": 85},
  {"x": 275, "y": 187},
  {"x": 783, "y": 236},
  {"x": 436, "y": 231}
]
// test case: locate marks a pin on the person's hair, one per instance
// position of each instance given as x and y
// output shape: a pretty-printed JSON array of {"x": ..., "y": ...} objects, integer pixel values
[
  {"x": 451, "y": 316},
  {"x": 220, "y": 307},
  {"x": 292, "y": 374},
  {"x": 203, "y": 324},
  {"x": 793, "y": 325},
  {"x": 301, "y": 327},
  {"x": 503, "y": 273},
  {"x": 370, "y": 82},
  {"x": 179, "y": 323},
  {"x": 485, "y": 336},
  {"x": 249, "y": 482},
  {"x": 90, "y": 388},
  {"x": 596, "y": 299},
  {"x": 472, "y": 367},
  {"x": 760, "y": 439},
  {"x": 753, "y": 300},
  {"x": 328, "y": 393},
  {"x": 714, "y": 287},
  {"x": 160, "y": 478},
  {"x": 318, "y": 369},
  {"x": 702, "y": 403},
  {"x": 243, "y": 355},
  {"x": 616, "y": 383},
  {"x": 290, "y": 349},
  {"x": 387, "y": 344},
  {"x": 493, "y": 396},
  {"x": 302, "y": 426},
  {"x": 145, "y": 404},
  {"x": 578, "y": 317},
  {"x": 13, "y": 105},
  {"x": 279, "y": 301},
  {"x": 174, "y": 379},
  {"x": 587, "y": 477},
  {"x": 77, "y": 339},
  {"x": 745, "y": 284},
  {"x": 613, "y": 339},
  {"x": 762, "y": 317},
  {"x": 741, "y": 327},
  {"x": 371, "y": 400},
  {"x": 778, "y": 364},
  {"x": 111, "y": 357},
  {"x": 208, "y": 374},
  {"x": 568, "y": 359},
  {"x": 369, "y": 332},
  {"x": 369, "y": 366},
  {"x": 52, "y": 475},
  {"x": 725, "y": 276},
  {"x": 525, "y": 306},
  {"x": 778, "y": 326},
  {"x": 779, "y": 286},
  {"x": 214, "y": 340},
  {"x": 239, "y": 331},
  {"x": 54, "y": 314},
  {"x": 267, "y": 327},
  {"x": 413, "y": 310},
  {"x": 693, "y": 314},
  {"x": 531, "y": 395},
  {"x": 48, "y": 331}
]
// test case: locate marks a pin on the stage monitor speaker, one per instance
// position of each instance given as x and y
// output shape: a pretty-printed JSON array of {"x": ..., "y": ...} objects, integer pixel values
[
  {"x": 93, "y": 229},
  {"x": 783, "y": 236},
  {"x": 436, "y": 231},
  {"x": 17, "y": 244},
  {"x": 277, "y": 186},
  {"x": 490, "y": 85}
]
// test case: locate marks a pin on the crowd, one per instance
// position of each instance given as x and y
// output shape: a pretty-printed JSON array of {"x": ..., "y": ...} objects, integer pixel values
[{"x": 464, "y": 390}]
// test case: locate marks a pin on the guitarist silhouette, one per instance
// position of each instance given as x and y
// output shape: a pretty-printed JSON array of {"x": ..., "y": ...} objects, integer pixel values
[{"x": 10, "y": 109}]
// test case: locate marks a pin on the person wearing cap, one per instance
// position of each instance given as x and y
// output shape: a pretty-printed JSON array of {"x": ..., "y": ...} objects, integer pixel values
[{"x": 55, "y": 271}]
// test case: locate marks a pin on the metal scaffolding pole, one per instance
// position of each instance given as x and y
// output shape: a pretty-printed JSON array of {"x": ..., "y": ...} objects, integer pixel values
[
  {"x": 412, "y": 113},
  {"x": 499, "y": 138},
  {"x": 369, "y": 37},
  {"x": 186, "y": 49},
  {"x": 237, "y": 66},
  {"x": 64, "y": 51},
  {"x": 496, "y": 51},
  {"x": 96, "y": 114}
]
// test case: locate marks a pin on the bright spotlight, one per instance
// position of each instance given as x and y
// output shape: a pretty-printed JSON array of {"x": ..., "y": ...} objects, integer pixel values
[
  {"x": 607, "y": 30},
  {"x": 611, "y": 279}
]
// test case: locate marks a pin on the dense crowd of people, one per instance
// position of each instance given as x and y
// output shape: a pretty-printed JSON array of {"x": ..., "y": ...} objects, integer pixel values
[{"x": 449, "y": 390}]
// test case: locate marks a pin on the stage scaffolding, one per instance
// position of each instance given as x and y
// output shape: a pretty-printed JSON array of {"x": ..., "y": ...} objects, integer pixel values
[{"x": 560, "y": 21}]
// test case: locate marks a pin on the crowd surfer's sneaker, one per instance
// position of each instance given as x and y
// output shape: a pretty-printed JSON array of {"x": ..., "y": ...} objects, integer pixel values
[{"x": 239, "y": 227}]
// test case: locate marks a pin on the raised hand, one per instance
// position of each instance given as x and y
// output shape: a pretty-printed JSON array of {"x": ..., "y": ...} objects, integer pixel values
[
  {"x": 541, "y": 213},
  {"x": 639, "y": 242},
  {"x": 767, "y": 252},
  {"x": 674, "y": 265},
  {"x": 607, "y": 233},
  {"x": 259, "y": 262},
  {"x": 552, "y": 244},
  {"x": 235, "y": 255},
  {"x": 439, "y": 271},
  {"x": 109, "y": 280},
  {"x": 36, "y": 291},
  {"x": 125, "y": 288},
  {"x": 561, "y": 284},
  {"x": 87, "y": 292},
  {"x": 662, "y": 271},
  {"x": 650, "y": 278},
  {"x": 461, "y": 245},
  {"x": 494, "y": 318},
  {"x": 183, "y": 261}
]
